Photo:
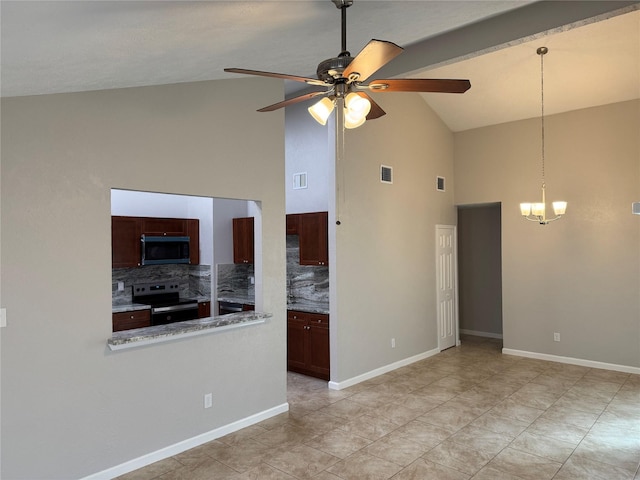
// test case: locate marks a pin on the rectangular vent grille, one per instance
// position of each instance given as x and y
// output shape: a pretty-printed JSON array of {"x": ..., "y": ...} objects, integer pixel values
[
  {"x": 386, "y": 174},
  {"x": 299, "y": 180},
  {"x": 440, "y": 184}
]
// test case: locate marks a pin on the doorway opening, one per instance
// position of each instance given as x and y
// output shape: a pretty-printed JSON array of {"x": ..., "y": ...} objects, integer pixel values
[{"x": 480, "y": 270}]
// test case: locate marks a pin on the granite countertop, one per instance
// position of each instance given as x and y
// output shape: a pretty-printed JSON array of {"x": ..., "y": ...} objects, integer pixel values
[
  {"x": 162, "y": 333},
  {"x": 309, "y": 307},
  {"x": 128, "y": 307},
  {"x": 234, "y": 298}
]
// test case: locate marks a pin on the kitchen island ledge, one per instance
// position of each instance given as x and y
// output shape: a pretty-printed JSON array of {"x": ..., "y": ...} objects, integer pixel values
[{"x": 163, "y": 333}]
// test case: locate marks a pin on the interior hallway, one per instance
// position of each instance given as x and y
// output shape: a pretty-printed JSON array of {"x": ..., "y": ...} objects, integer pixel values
[{"x": 467, "y": 413}]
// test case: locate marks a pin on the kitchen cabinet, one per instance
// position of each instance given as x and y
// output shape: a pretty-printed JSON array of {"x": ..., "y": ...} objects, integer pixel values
[
  {"x": 308, "y": 343},
  {"x": 125, "y": 241},
  {"x": 126, "y": 233},
  {"x": 293, "y": 221},
  {"x": 243, "y": 240},
  {"x": 128, "y": 320},
  {"x": 313, "y": 230},
  {"x": 204, "y": 309}
]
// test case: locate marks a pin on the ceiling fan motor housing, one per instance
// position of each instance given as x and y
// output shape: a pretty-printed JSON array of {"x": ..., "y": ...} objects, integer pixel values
[{"x": 332, "y": 68}]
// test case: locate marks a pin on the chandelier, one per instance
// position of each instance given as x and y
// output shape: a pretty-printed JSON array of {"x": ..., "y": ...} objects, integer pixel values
[{"x": 536, "y": 212}]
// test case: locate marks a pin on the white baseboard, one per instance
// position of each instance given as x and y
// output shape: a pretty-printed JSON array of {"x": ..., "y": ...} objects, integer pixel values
[
  {"x": 187, "y": 444},
  {"x": 480, "y": 334},
  {"x": 572, "y": 361},
  {"x": 379, "y": 371}
]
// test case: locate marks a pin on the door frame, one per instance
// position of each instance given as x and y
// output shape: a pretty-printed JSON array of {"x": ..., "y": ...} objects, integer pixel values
[{"x": 454, "y": 228}]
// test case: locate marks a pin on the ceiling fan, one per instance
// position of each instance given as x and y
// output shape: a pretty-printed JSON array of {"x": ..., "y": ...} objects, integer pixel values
[{"x": 344, "y": 78}]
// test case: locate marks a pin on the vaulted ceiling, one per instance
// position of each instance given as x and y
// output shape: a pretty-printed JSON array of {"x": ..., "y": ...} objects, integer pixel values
[{"x": 594, "y": 58}]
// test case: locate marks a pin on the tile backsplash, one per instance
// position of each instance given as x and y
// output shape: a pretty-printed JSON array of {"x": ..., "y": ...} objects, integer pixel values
[
  {"x": 194, "y": 280},
  {"x": 306, "y": 284}
]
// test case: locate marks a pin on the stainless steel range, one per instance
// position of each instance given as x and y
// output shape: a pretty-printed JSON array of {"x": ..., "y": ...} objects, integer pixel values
[{"x": 166, "y": 304}]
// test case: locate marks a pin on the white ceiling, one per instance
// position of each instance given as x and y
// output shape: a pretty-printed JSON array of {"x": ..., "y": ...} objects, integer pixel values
[{"x": 71, "y": 46}]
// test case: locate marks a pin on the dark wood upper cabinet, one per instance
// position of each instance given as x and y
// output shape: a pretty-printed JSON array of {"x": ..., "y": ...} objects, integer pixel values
[
  {"x": 164, "y": 226},
  {"x": 126, "y": 233},
  {"x": 293, "y": 222},
  {"x": 125, "y": 241},
  {"x": 243, "y": 246},
  {"x": 313, "y": 229}
]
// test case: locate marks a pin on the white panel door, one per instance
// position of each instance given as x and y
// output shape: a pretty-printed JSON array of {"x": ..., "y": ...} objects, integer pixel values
[{"x": 446, "y": 283}]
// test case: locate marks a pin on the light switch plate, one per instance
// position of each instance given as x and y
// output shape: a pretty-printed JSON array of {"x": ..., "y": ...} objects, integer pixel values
[{"x": 3, "y": 317}]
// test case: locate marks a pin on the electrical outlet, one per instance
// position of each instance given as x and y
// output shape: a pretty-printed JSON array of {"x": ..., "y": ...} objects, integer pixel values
[
  {"x": 393, "y": 343},
  {"x": 556, "y": 337},
  {"x": 208, "y": 400}
]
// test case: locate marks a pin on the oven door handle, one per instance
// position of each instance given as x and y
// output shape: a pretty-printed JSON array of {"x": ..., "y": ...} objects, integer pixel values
[{"x": 175, "y": 308}]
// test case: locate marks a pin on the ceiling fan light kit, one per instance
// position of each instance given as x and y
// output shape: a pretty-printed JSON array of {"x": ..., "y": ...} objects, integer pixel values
[
  {"x": 536, "y": 212},
  {"x": 343, "y": 78}
]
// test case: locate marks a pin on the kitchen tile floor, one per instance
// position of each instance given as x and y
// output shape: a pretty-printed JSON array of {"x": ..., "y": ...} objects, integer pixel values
[{"x": 467, "y": 413}]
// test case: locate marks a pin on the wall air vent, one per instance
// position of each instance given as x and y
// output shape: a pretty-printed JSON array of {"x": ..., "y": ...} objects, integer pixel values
[
  {"x": 299, "y": 180},
  {"x": 386, "y": 174},
  {"x": 440, "y": 184}
]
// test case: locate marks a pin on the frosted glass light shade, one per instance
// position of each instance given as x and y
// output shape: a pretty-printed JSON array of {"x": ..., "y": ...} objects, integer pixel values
[
  {"x": 525, "y": 209},
  {"x": 559, "y": 208},
  {"x": 356, "y": 109},
  {"x": 537, "y": 209},
  {"x": 321, "y": 110}
]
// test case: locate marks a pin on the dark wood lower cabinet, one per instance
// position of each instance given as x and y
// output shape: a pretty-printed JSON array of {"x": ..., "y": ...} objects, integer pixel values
[
  {"x": 308, "y": 344},
  {"x": 204, "y": 309},
  {"x": 129, "y": 320}
]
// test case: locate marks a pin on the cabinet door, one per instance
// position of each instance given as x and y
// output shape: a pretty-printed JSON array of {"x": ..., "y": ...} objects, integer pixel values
[
  {"x": 243, "y": 240},
  {"x": 293, "y": 222},
  {"x": 318, "y": 340},
  {"x": 314, "y": 239},
  {"x": 296, "y": 342},
  {"x": 204, "y": 309},
  {"x": 125, "y": 241},
  {"x": 128, "y": 320},
  {"x": 193, "y": 231},
  {"x": 164, "y": 226}
]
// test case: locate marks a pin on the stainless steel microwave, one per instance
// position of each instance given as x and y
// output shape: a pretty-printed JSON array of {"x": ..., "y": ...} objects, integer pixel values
[{"x": 164, "y": 250}]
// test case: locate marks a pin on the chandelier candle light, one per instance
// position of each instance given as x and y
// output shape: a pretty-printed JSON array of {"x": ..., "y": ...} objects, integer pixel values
[{"x": 535, "y": 212}]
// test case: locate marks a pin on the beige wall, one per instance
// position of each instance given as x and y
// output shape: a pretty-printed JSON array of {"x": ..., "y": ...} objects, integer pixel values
[
  {"x": 385, "y": 245},
  {"x": 579, "y": 276},
  {"x": 70, "y": 407}
]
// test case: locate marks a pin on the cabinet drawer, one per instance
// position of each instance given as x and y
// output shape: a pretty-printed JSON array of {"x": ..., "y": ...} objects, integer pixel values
[
  {"x": 296, "y": 315},
  {"x": 129, "y": 320},
  {"x": 318, "y": 319}
]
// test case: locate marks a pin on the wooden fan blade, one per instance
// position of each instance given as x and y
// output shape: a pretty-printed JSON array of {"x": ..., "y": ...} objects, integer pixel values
[
  {"x": 310, "y": 81},
  {"x": 291, "y": 101},
  {"x": 376, "y": 111},
  {"x": 371, "y": 58},
  {"x": 420, "y": 85}
]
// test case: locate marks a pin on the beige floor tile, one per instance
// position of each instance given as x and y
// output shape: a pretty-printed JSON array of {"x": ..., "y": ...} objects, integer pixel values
[
  {"x": 451, "y": 416},
  {"x": 339, "y": 443},
  {"x": 547, "y": 447},
  {"x": 490, "y": 473},
  {"x": 619, "y": 455},
  {"x": 459, "y": 457},
  {"x": 570, "y": 416},
  {"x": 560, "y": 431},
  {"x": 583, "y": 402},
  {"x": 346, "y": 409},
  {"x": 397, "y": 414},
  {"x": 362, "y": 466},
  {"x": 399, "y": 450},
  {"x": 370, "y": 427},
  {"x": 423, "y": 469},
  {"x": 504, "y": 425},
  {"x": 203, "y": 471},
  {"x": 301, "y": 461},
  {"x": 583, "y": 468},
  {"x": 265, "y": 472},
  {"x": 284, "y": 435},
  {"x": 476, "y": 438},
  {"x": 510, "y": 408},
  {"x": 537, "y": 396},
  {"x": 525, "y": 465},
  {"x": 241, "y": 459},
  {"x": 425, "y": 434}
]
